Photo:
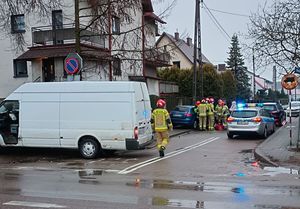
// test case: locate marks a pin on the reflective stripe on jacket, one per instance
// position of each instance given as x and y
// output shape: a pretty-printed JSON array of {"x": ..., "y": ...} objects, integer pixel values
[
  {"x": 210, "y": 109},
  {"x": 161, "y": 120},
  {"x": 202, "y": 108}
]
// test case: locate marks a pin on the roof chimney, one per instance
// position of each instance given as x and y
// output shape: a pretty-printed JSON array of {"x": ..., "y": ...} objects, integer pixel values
[
  {"x": 189, "y": 41},
  {"x": 176, "y": 36}
]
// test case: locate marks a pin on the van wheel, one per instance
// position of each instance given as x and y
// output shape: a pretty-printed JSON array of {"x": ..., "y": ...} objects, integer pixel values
[{"x": 89, "y": 148}]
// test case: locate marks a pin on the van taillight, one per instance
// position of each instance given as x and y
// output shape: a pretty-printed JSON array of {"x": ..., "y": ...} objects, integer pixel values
[{"x": 136, "y": 133}]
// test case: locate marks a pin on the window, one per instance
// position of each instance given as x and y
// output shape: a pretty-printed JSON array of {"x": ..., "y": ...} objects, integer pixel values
[
  {"x": 115, "y": 25},
  {"x": 117, "y": 67},
  {"x": 244, "y": 114},
  {"x": 176, "y": 64},
  {"x": 20, "y": 68},
  {"x": 57, "y": 19},
  {"x": 57, "y": 23},
  {"x": 17, "y": 24}
]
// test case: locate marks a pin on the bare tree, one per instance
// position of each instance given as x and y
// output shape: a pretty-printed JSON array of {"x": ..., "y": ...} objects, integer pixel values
[
  {"x": 276, "y": 33},
  {"x": 41, "y": 8}
]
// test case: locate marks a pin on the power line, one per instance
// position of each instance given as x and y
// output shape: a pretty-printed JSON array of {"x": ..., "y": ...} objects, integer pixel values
[
  {"x": 229, "y": 13},
  {"x": 216, "y": 22}
]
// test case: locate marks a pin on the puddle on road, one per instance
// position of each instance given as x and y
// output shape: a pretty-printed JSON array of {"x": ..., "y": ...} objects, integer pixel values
[
  {"x": 160, "y": 201},
  {"x": 273, "y": 171},
  {"x": 90, "y": 173},
  {"x": 217, "y": 187}
]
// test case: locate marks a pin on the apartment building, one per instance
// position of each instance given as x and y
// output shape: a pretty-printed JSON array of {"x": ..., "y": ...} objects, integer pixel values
[{"x": 115, "y": 41}]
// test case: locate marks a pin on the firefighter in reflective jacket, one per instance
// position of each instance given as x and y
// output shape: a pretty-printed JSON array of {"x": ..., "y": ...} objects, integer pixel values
[
  {"x": 211, "y": 114},
  {"x": 202, "y": 111},
  {"x": 161, "y": 124}
]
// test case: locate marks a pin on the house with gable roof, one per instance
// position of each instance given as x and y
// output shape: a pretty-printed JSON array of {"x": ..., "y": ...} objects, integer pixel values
[{"x": 181, "y": 51}]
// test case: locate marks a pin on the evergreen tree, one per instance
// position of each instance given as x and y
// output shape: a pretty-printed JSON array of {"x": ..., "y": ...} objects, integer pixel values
[
  {"x": 236, "y": 63},
  {"x": 229, "y": 86}
]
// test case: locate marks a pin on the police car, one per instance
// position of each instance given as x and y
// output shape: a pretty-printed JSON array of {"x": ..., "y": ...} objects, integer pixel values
[{"x": 250, "y": 119}]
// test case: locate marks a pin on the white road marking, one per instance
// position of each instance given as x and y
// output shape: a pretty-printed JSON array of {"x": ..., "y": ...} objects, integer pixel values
[
  {"x": 169, "y": 155},
  {"x": 33, "y": 204}
]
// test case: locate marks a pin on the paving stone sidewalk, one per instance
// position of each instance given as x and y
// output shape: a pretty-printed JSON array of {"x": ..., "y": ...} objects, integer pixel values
[{"x": 276, "y": 149}]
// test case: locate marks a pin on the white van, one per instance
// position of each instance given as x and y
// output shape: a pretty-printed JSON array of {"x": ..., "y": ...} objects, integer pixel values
[{"x": 89, "y": 116}]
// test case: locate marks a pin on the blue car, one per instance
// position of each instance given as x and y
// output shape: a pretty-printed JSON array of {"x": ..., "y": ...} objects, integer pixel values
[{"x": 184, "y": 115}]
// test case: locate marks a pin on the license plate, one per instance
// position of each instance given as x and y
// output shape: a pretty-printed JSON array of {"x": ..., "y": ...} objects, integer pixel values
[
  {"x": 177, "y": 115},
  {"x": 242, "y": 123}
]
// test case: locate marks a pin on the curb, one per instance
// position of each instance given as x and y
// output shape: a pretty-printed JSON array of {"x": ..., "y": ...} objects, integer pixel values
[{"x": 259, "y": 154}]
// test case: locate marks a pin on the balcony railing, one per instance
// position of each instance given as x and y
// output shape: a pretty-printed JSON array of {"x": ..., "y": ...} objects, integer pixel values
[
  {"x": 157, "y": 57},
  {"x": 47, "y": 35}
]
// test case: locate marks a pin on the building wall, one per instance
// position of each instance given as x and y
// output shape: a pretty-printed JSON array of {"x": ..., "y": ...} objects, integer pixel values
[
  {"x": 8, "y": 53},
  {"x": 153, "y": 86},
  {"x": 128, "y": 46},
  {"x": 132, "y": 63},
  {"x": 176, "y": 54}
]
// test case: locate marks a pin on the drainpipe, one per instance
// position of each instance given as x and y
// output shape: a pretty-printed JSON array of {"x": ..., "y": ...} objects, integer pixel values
[{"x": 110, "y": 40}]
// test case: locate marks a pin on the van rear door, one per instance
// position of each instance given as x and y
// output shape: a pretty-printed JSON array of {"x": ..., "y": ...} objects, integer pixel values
[{"x": 145, "y": 131}]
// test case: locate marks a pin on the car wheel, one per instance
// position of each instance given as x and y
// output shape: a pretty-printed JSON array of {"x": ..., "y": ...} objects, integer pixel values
[
  {"x": 273, "y": 129},
  {"x": 89, "y": 148},
  {"x": 230, "y": 135},
  {"x": 265, "y": 133}
]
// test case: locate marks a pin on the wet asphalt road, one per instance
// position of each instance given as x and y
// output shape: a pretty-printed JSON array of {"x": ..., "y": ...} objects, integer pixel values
[{"x": 200, "y": 170}]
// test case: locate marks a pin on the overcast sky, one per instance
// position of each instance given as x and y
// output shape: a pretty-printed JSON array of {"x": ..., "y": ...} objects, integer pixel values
[{"x": 215, "y": 43}]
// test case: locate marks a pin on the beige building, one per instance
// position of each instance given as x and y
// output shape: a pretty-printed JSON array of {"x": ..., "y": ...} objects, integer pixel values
[{"x": 182, "y": 51}]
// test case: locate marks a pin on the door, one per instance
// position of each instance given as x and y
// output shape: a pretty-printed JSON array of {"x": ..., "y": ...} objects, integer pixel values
[
  {"x": 146, "y": 130},
  {"x": 40, "y": 119},
  {"x": 9, "y": 121},
  {"x": 48, "y": 70}
]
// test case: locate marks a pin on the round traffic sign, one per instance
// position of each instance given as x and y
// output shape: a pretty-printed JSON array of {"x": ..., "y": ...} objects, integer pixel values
[
  {"x": 73, "y": 63},
  {"x": 289, "y": 81}
]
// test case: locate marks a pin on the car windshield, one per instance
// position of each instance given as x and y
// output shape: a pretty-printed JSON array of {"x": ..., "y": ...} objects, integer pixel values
[
  {"x": 270, "y": 107},
  {"x": 182, "y": 109},
  {"x": 244, "y": 114}
]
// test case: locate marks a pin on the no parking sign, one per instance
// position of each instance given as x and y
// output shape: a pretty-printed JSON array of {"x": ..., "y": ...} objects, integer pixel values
[{"x": 73, "y": 63}]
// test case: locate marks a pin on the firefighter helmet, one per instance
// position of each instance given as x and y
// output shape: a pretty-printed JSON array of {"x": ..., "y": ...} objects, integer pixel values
[
  {"x": 198, "y": 102},
  {"x": 211, "y": 100},
  {"x": 160, "y": 103},
  {"x": 203, "y": 101},
  {"x": 220, "y": 102}
]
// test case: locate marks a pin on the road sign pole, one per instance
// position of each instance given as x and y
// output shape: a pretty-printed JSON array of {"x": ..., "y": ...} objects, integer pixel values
[{"x": 290, "y": 114}]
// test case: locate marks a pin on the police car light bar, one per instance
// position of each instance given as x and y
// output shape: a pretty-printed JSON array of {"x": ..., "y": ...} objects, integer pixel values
[{"x": 244, "y": 105}]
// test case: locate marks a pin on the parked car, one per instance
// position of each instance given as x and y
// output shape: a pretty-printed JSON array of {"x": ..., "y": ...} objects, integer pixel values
[
  {"x": 295, "y": 109},
  {"x": 276, "y": 111},
  {"x": 250, "y": 121},
  {"x": 184, "y": 115}
]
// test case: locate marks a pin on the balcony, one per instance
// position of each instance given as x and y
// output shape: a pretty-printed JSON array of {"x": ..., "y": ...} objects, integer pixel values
[
  {"x": 47, "y": 36},
  {"x": 157, "y": 57}
]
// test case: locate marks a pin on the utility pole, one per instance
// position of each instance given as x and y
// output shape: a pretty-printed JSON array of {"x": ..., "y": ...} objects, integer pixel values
[
  {"x": 274, "y": 81},
  {"x": 77, "y": 28},
  {"x": 200, "y": 49},
  {"x": 254, "y": 84},
  {"x": 195, "y": 52}
]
